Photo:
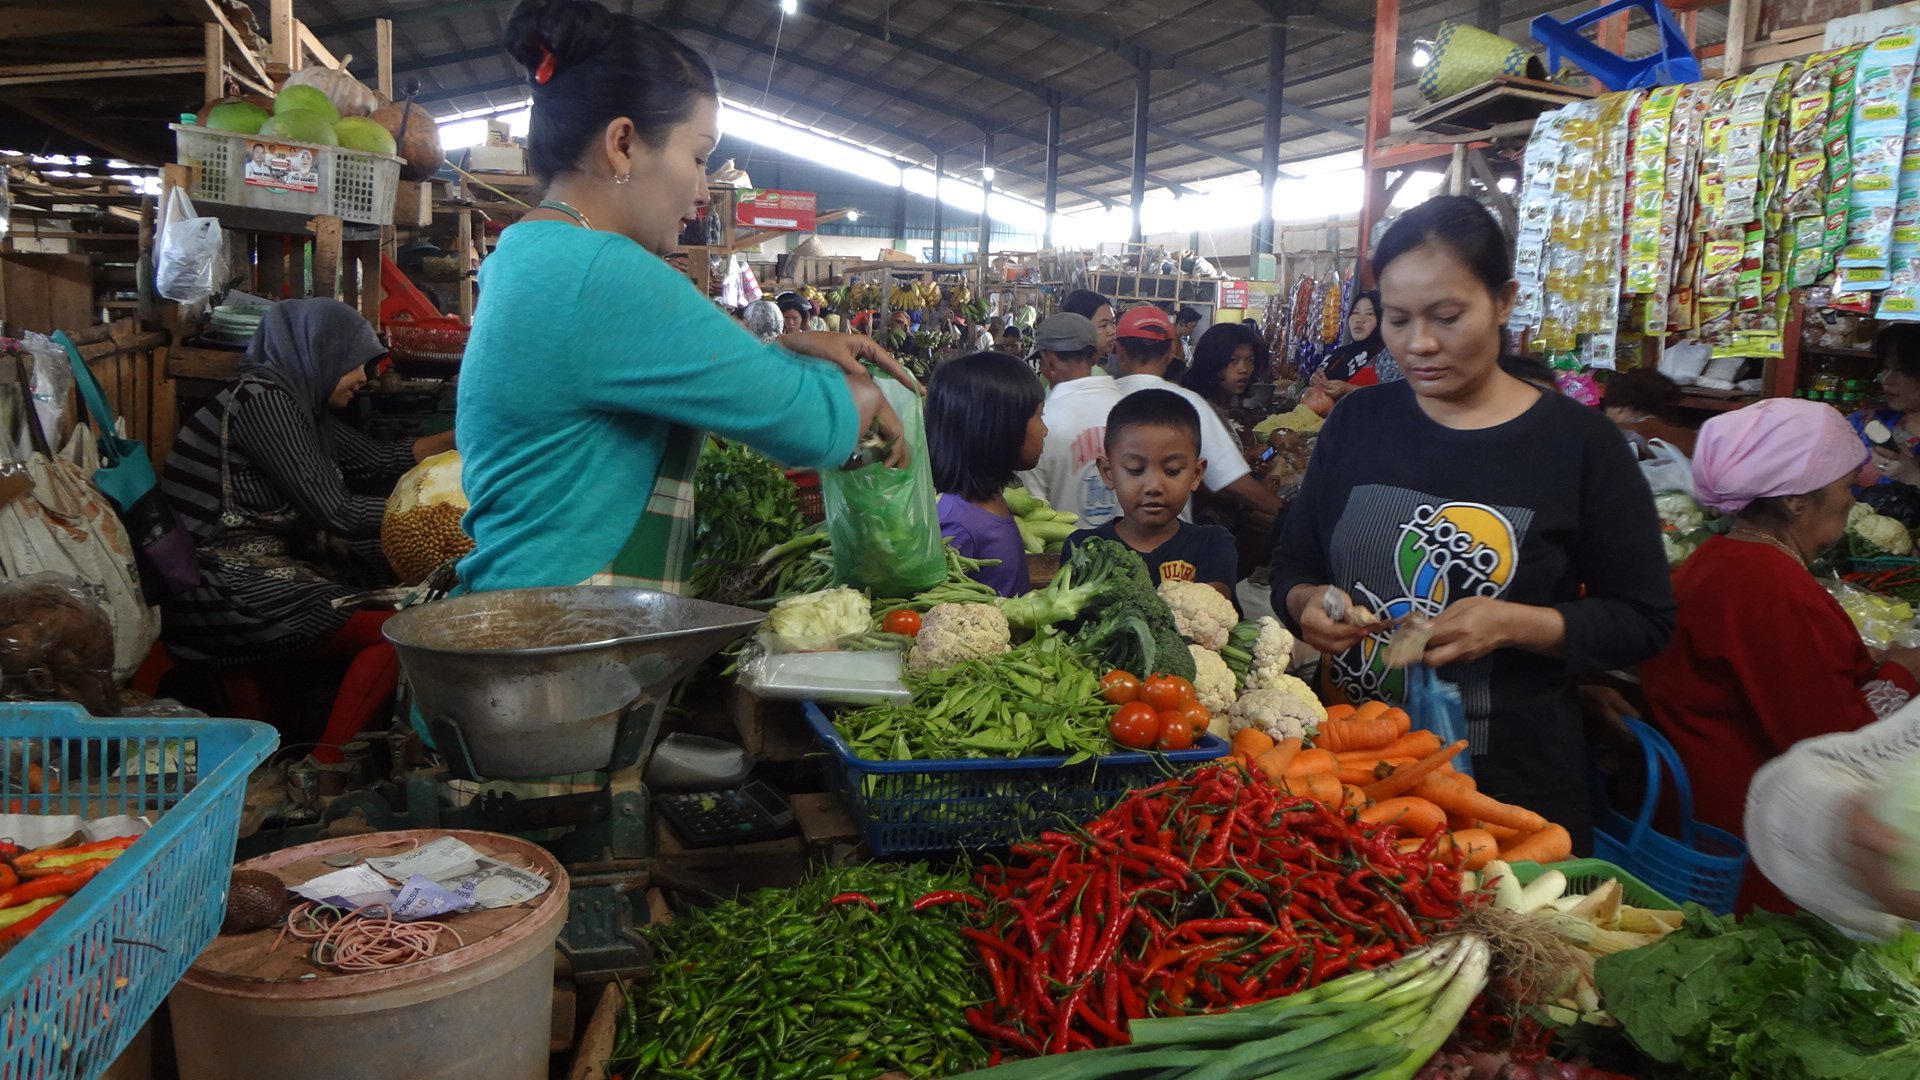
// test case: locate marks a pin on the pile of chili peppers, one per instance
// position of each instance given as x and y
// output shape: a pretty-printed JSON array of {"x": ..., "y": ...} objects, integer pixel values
[
  {"x": 1209, "y": 891},
  {"x": 1901, "y": 583}
]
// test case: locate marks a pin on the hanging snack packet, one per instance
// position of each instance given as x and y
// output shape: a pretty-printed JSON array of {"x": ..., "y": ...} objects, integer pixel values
[
  {"x": 1840, "y": 154},
  {"x": 1878, "y": 144}
]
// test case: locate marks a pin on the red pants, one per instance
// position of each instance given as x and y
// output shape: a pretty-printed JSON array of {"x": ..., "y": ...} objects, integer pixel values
[{"x": 367, "y": 690}]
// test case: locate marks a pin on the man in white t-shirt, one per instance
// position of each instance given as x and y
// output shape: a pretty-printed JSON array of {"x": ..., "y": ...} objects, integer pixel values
[
  {"x": 1068, "y": 475},
  {"x": 1146, "y": 348}
]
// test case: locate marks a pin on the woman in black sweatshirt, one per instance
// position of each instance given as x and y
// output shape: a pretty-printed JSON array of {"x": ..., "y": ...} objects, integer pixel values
[{"x": 1510, "y": 517}]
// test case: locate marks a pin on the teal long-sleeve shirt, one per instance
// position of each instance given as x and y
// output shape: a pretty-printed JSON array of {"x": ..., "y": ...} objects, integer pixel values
[{"x": 585, "y": 349}]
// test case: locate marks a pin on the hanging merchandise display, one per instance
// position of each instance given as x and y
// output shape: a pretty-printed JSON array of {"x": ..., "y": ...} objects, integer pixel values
[{"x": 1695, "y": 209}]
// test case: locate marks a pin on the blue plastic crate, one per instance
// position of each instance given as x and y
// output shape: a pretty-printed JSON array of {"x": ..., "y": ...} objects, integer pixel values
[
  {"x": 79, "y": 987},
  {"x": 929, "y": 807}
]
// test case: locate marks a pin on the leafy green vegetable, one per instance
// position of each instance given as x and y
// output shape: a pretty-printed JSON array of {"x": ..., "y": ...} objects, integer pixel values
[
  {"x": 1104, "y": 591},
  {"x": 743, "y": 505},
  {"x": 1774, "y": 996},
  {"x": 1038, "y": 699}
]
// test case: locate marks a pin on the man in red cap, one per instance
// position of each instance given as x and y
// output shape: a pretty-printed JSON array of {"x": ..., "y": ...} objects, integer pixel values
[{"x": 1146, "y": 348}]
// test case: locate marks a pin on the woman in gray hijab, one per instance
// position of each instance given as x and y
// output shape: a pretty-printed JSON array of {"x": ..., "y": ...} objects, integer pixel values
[{"x": 284, "y": 502}]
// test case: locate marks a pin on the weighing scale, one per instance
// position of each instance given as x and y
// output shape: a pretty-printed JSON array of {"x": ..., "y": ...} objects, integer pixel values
[{"x": 537, "y": 684}]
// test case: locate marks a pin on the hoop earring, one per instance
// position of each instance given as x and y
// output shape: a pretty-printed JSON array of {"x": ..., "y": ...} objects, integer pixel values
[{"x": 624, "y": 178}]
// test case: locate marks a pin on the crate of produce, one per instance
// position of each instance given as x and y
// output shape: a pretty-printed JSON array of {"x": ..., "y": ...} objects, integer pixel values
[
  {"x": 270, "y": 173},
  {"x": 925, "y": 807},
  {"x": 1586, "y": 875},
  {"x": 78, "y": 987}
]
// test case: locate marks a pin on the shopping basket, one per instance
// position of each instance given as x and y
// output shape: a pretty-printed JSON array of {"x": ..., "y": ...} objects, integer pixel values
[
  {"x": 1703, "y": 864},
  {"x": 927, "y": 807},
  {"x": 1585, "y": 875},
  {"x": 80, "y": 986}
]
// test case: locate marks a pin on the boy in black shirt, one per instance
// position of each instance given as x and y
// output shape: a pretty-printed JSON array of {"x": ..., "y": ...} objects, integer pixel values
[{"x": 1154, "y": 466}]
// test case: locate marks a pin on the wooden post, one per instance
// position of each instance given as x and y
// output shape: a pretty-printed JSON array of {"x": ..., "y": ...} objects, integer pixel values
[
  {"x": 326, "y": 231},
  {"x": 284, "y": 40},
  {"x": 1457, "y": 170},
  {"x": 1386, "y": 53},
  {"x": 214, "y": 84},
  {"x": 464, "y": 247},
  {"x": 383, "y": 55},
  {"x": 1737, "y": 18}
]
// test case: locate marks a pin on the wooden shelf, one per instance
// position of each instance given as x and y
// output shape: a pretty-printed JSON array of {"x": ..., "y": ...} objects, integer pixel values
[
  {"x": 1844, "y": 354},
  {"x": 1718, "y": 400}
]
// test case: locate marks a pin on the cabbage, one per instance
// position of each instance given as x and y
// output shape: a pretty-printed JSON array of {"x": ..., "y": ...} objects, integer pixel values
[
  {"x": 819, "y": 620},
  {"x": 1678, "y": 511}
]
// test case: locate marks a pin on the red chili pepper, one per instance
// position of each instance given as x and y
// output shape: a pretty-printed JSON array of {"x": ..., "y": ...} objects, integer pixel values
[
  {"x": 1017, "y": 1040},
  {"x": 61, "y": 885},
  {"x": 118, "y": 843},
  {"x": 852, "y": 898},
  {"x": 950, "y": 896},
  {"x": 19, "y": 930}
]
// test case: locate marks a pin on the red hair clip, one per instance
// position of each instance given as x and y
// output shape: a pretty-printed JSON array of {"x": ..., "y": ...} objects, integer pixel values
[{"x": 544, "y": 73}]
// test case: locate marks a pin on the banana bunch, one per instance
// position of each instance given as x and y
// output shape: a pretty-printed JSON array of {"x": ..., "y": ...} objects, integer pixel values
[
  {"x": 863, "y": 296},
  {"x": 961, "y": 296},
  {"x": 840, "y": 298},
  {"x": 813, "y": 296},
  {"x": 902, "y": 298}
]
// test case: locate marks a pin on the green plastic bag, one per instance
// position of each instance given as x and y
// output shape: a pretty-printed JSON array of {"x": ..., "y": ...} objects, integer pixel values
[{"x": 885, "y": 523}]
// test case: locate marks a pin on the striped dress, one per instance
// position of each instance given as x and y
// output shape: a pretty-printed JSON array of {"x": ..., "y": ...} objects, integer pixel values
[{"x": 289, "y": 535}]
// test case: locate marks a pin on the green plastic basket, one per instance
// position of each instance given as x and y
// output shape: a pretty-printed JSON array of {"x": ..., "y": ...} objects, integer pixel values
[{"x": 1586, "y": 875}]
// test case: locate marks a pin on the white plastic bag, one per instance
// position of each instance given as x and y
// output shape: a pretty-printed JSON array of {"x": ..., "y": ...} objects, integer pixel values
[
  {"x": 1669, "y": 470},
  {"x": 189, "y": 247}
]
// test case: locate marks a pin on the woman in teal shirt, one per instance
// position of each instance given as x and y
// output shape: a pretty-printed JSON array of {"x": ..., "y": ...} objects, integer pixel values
[{"x": 594, "y": 368}]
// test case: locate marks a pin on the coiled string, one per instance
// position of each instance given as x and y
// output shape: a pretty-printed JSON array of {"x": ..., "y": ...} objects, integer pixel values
[{"x": 363, "y": 939}]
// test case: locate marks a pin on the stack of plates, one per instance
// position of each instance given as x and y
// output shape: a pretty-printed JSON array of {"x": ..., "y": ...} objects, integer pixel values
[{"x": 234, "y": 324}]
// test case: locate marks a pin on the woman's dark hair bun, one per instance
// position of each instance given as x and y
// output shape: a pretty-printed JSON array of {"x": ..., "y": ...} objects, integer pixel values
[
  {"x": 572, "y": 30},
  {"x": 604, "y": 66}
]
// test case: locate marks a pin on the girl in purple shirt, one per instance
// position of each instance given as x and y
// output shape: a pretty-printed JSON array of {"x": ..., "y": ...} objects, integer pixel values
[{"x": 983, "y": 426}]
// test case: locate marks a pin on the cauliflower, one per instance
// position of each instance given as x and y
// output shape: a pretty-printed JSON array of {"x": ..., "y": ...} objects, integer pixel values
[
  {"x": 1679, "y": 511},
  {"x": 955, "y": 633},
  {"x": 1259, "y": 652},
  {"x": 818, "y": 620},
  {"x": 1280, "y": 714},
  {"x": 1213, "y": 682},
  {"x": 1882, "y": 535},
  {"x": 1201, "y": 613}
]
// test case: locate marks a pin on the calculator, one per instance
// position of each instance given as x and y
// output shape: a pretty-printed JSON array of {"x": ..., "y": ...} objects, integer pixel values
[{"x": 752, "y": 811}]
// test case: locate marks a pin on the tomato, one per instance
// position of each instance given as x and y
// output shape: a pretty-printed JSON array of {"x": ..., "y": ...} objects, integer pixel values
[
  {"x": 1135, "y": 725},
  {"x": 1197, "y": 717},
  {"x": 1187, "y": 693},
  {"x": 905, "y": 622},
  {"x": 1162, "y": 692},
  {"x": 1175, "y": 732},
  {"x": 1119, "y": 687}
]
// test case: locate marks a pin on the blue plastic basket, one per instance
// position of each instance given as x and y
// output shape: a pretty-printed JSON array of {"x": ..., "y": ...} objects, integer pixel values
[
  {"x": 81, "y": 985},
  {"x": 1703, "y": 864},
  {"x": 928, "y": 807}
]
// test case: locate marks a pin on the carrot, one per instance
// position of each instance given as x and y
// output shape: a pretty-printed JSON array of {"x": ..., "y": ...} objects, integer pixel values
[
  {"x": 1339, "y": 712},
  {"x": 1369, "y": 710},
  {"x": 1457, "y": 821},
  {"x": 1352, "y": 798},
  {"x": 1414, "y": 744},
  {"x": 1404, "y": 780},
  {"x": 1476, "y": 847},
  {"x": 1546, "y": 845},
  {"x": 1251, "y": 742},
  {"x": 1402, "y": 723},
  {"x": 1355, "y": 734},
  {"x": 1442, "y": 849},
  {"x": 1275, "y": 761},
  {"x": 1314, "y": 761},
  {"x": 1501, "y": 832},
  {"x": 1448, "y": 793},
  {"x": 1321, "y": 787},
  {"x": 1414, "y": 816}
]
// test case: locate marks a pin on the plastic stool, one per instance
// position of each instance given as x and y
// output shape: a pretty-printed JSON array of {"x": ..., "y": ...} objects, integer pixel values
[{"x": 1673, "y": 64}]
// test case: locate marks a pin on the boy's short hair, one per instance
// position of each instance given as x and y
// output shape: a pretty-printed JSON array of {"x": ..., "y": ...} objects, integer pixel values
[
  {"x": 1145, "y": 350},
  {"x": 1153, "y": 408}
]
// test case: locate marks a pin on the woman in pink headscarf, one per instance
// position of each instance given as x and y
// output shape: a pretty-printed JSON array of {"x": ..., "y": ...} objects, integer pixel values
[{"x": 1762, "y": 656}]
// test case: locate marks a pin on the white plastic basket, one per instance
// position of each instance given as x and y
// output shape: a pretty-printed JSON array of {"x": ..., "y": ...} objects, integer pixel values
[{"x": 348, "y": 184}]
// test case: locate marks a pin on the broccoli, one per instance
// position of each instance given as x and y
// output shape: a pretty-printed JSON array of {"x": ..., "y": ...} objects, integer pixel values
[{"x": 1104, "y": 592}]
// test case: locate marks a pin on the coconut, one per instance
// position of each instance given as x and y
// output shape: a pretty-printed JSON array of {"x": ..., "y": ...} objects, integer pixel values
[{"x": 420, "y": 146}]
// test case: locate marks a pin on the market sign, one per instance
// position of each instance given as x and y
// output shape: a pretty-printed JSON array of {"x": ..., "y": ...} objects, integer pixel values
[
  {"x": 764, "y": 208},
  {"x": 1233, "y": 295}
]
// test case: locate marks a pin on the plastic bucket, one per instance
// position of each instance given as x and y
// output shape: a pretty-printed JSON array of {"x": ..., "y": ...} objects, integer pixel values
[{"x": 479, "y": 1012}]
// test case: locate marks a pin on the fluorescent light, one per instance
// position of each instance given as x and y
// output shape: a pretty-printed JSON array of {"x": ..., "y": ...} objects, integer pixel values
[
  {"x": 987, "y": 173},
  {"x": 790, "y": 7},
  {"x": 853, "y": 216},
  {"x": 1422, "y": 56}
]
